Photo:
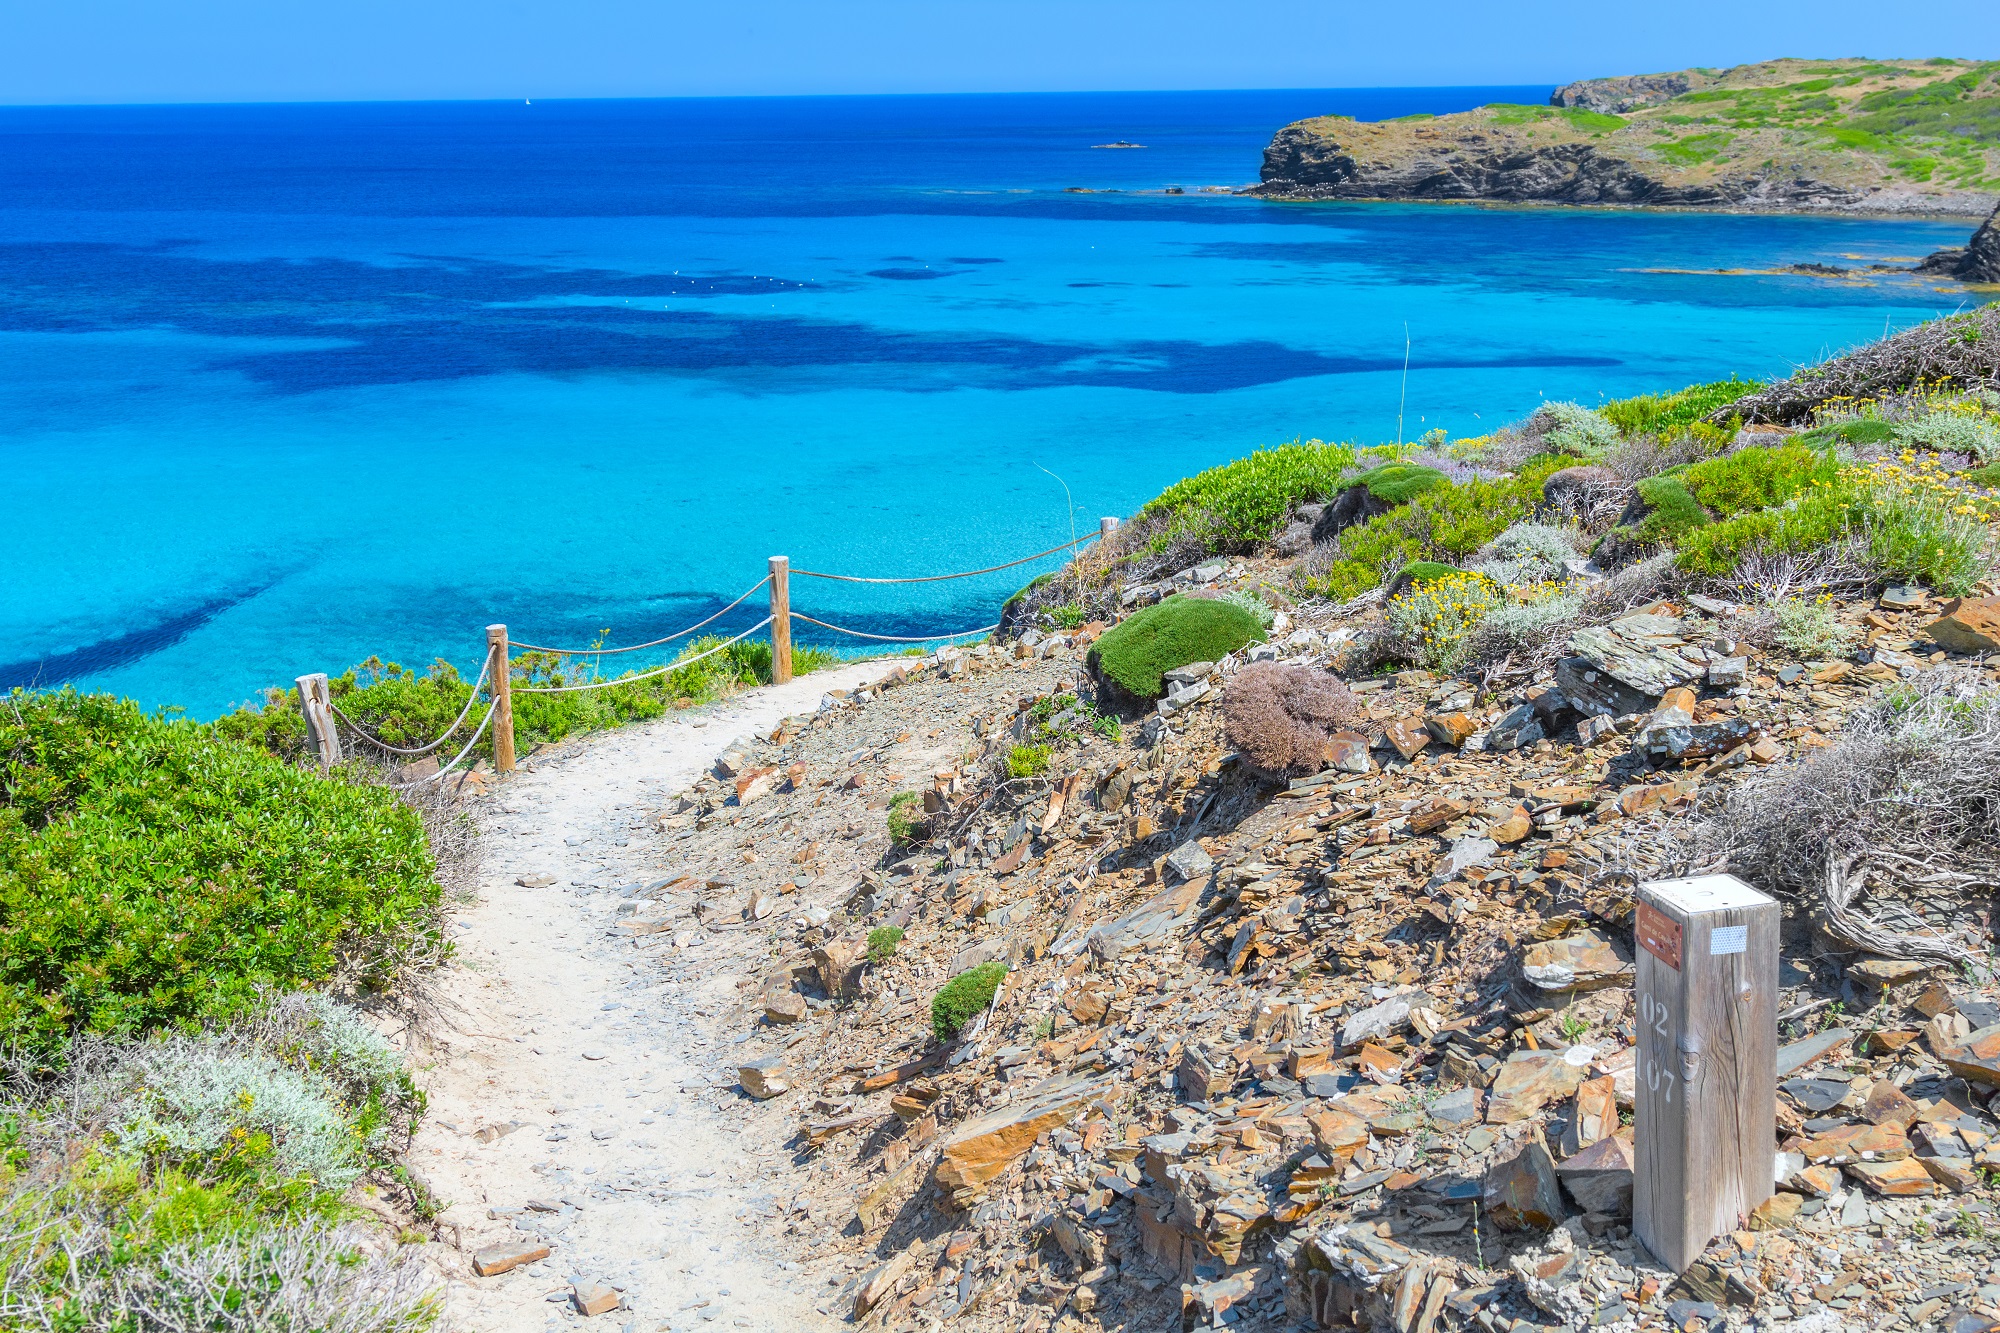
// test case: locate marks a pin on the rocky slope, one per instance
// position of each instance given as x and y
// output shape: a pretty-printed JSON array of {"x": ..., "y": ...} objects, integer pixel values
[
  {"x": 1843, "y": 135},
  {"x": 1345, "y": 1053},
  {"x": 1976, "y": 261}
]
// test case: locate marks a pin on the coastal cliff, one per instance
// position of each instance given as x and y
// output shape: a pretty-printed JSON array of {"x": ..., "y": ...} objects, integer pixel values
[
  {"x": 1786, "y": 135},
  {"x": 1976, "y": 261}
]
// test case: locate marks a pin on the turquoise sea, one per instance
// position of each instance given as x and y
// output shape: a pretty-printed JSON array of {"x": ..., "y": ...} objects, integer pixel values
[{"x": 282, "y": 387}]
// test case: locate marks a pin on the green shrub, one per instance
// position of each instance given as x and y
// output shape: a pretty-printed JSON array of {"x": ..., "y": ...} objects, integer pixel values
[
  {"x": 1759, "y": 478},
  {"x": 1397, "y": 483},
  {"x": 1858, "y": 430},
  {"x": 1682, "y": 500},
  {"x": 155, "y": 873},
  {"x": 1808, "y": 629},
  {"x": 882, "y": 942},
  {"x": 1953, "y": 432},
  {"x": 1810, "y": 522},
  {"x": 1988, "y": 476},
  {"x": 1136, "y": 653},
  {"x": 1446, "y": 523},
  {"x": 1528, "y": 553},
  {"x": 1436, "y": 618},
  {"x": 1672, "y": 414},
  {"x": 406, "y": 708},
  {"x": 1027, "y": 761},
  {"x": 1239, "y": 504},
  {"x": 1426, "y": 571},
  {"x": 1920, "y": 539},
  {"x": 1255, "y": 605},
  {"x": 1573, "y": 428},
  {"x": 963, "y": 998},
  {"x": 906, "y": 818}
]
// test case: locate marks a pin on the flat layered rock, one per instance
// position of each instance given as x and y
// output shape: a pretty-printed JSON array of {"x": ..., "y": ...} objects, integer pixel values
[
  {"x": 1588, "y": 960},
  {"x": 981, "y": 1149}
]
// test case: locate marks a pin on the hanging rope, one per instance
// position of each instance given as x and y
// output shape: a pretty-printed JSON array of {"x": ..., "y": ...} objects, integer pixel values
[
  {"x": 457, "y": 758},
  {"x": 635, "y": 647},
  {"x": 646, "y": 675},
  {"x": 893, "y": 638},
  {"x": 937, "y": 578},
  {"x": 470, "y": 699}
]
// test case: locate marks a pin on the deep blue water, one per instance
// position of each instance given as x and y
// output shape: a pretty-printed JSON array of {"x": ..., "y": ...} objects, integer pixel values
[{"x": 285, "y": 386}]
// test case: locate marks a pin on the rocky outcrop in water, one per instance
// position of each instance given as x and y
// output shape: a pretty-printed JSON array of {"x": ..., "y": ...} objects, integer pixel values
[
  {"x": 1344, "y": 160},
  {"x": 1976, "y": 261}
]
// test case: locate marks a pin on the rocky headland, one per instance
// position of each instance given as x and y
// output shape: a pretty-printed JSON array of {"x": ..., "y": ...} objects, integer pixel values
[{"x": 1784, "y": 135}]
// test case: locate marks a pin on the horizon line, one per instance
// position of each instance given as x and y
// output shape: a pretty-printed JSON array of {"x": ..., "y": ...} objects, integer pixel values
[{"x": 756, "y": 97}]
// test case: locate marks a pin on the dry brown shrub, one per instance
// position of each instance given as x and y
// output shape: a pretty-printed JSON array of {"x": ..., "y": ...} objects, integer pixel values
[{"x": 1281, "y": 717}]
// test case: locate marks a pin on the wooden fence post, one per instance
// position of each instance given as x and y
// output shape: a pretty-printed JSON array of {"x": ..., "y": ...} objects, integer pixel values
[
  {"x": 500, "y": 671},
  {"x": 781, "y": 619},
  {"x": 1707, "y": 1062},
  {"x": 317, "y": 704}
]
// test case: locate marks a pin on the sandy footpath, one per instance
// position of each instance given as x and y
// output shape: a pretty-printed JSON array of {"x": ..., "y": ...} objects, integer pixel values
[{"x": 579, "y": 1094}]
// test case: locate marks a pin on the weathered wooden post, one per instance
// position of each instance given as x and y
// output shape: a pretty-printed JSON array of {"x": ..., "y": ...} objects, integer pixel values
[
  {"x": 500, "y": 671},
  {"x": 1707, "y": 1062},
  {"x": 781, "y": 619},
  {"x": 316, "y": 702},
  {"x": 1105, "y": 527}
]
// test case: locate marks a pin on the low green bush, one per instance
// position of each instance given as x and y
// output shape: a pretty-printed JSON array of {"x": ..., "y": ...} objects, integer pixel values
[
  {"x": 1808, "y": 629},
  {"x": 405, "y": 707},
  {"x": 1759, "y": 478},
  {"x": 1136, "y": 653},
  {"x": 1444, "y": 524},
  {"x": 1397, "y": 483},
  {"x": 882, "y": 942},
  {"x": 1027, "y": 761},
  {"x": 1988, "y": 476},
  {"x": 1858, "y": 430},
  {"x": 1426, "y": 571},
  {"x": 1810, "y": 522},
  {"x": 1923, "y": 539},
  {"x": 155, "y": 873},
  {"x": 964, "y": 998},
  {"x": 1672, "y": 414},
  {"x": 1575, "y": 429},
  {"x": 1435, "y": 618},
  {"x": 1239, "y": 504},
  {"x": 906, "y": 818},
  {"x": 1672, "y": 512}
]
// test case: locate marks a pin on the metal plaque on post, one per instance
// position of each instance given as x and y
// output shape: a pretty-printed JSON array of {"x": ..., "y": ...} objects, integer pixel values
[{"x": 1704, "y": 1138}]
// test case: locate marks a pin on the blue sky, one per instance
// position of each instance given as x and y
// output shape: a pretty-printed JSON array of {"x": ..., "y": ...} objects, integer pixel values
[{"x": 314, "y": 50}]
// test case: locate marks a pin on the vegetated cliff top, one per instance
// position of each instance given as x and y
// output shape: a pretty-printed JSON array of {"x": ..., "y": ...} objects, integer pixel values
[{"x": 1863, "y": 135}]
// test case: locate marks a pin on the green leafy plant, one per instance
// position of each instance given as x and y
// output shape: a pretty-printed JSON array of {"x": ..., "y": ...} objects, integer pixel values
[
  {"x": 1808, "y": 629},
  {"x": 906, "y": 818},
  {"x": 1135, "y": 654},
  {"x": 1027, "y": 761},
  {"x": 1573, "y": 428},
  {"x": 1925, "y": 539},
  {"x": 882, "y": 942},
  {"x": 1239, "y": 504},
  {"x": 1436, "y": 618},
  {"x": 963, "y": 998},
  {"x": 1397, "y": 483},
  {"x": 156, "y": 873},
  {"x": 1669, "y": 416}
]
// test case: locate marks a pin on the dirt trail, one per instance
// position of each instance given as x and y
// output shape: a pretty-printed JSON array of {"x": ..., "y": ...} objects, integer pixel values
[{"x": 585, "y": 1072}]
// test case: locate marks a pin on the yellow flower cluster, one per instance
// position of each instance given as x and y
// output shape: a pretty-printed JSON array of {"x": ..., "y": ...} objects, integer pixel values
[
  {"x": 1439, "y": 614},
  {"x": 1920, "y": 476}
]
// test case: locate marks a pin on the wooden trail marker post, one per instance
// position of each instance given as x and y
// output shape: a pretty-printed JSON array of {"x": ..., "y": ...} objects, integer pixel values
[
  {"x": 500, "y": 672},
  {"x": 781, "y": 619},
  {"x": 1707, "y": 1062},
  {"x": 317, "y": 704}
]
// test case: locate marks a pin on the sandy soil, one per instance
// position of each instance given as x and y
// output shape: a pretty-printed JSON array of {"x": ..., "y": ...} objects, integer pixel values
[{"x": 591, "y": 1073}]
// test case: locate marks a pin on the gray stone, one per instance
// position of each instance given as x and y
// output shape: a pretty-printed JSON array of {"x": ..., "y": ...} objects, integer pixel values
[
  {"x": 1726, "y": 673},
  {"x": 1377, "y": 1020},
  {"x": 1189, "y": 861},
  {"x": 1795, "y": 1056}
]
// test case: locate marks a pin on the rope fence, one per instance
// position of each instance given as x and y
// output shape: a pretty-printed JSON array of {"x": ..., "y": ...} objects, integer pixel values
[{"x": 323, "y": 718}]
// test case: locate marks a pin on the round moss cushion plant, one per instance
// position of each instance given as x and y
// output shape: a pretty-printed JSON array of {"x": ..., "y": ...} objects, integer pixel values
[
  {"x": 1133, "y": 656},
  {"x": 963, "y": 998}
]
